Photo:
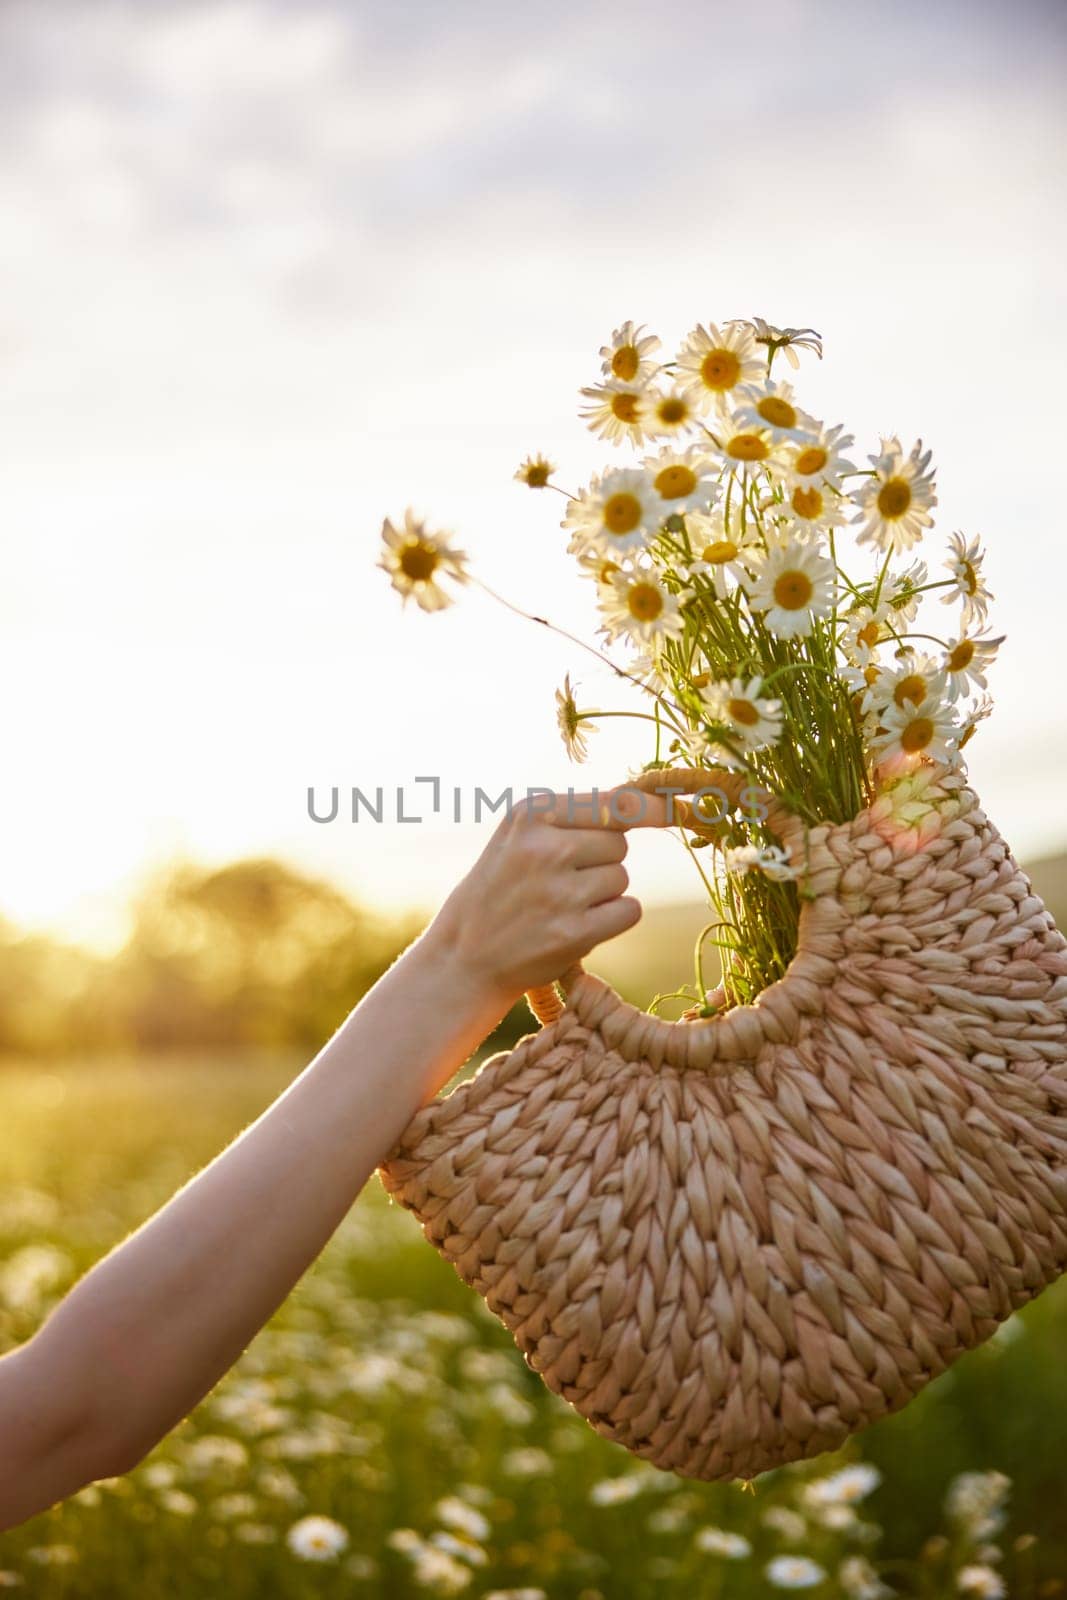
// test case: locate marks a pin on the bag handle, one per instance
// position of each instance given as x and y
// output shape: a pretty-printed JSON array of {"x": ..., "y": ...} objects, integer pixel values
[{"x": 731, "y": 789}]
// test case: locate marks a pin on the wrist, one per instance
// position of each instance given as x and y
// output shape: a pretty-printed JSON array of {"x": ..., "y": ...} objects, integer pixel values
[{"x": 474, "y": 990}]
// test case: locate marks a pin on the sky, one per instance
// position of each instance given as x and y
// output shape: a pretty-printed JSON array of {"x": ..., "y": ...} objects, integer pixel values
[{"x": 270, "y": 272}]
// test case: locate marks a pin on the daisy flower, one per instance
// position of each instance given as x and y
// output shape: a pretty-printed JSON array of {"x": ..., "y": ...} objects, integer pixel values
[
  {"x": 669, "y": 411},
  {"x": 818, "y": 459},
  {"x": 316, "y": 1539},
  {"x": 927, "y": 729},
  {"x": 866, "y": 627},
  {"x": 965, "y": 567},
  {"x": 712, "y": 363},
  {"x": 793, "y": 584},
  {"x": 639, "y": 607},
  {"x": 794, "y": 1572},
  {"x": 966, "y": 662},
  {"x": 720, "y": 1542},
  {"x": 754, "y": 722},
  {"x": 977, "y": 714},
  {"x": 535, "y": 471},
  {"x": 900, "y": 590},
  {"x": 599, "y": 567},
  {"x": 916, "y": 678},
  {"x": 983, "y": 1582},
  {"x": 616, "y": 411},
  {"x": 620, "y": 510},
  {"x": 720, "y": 554},
  {"x": 574, "y": 728},
  {"x": 416, "y": 561},
  {"x": 770, "y": 859},
  {"x": 811, "y": 506},
  {"x": 682, "y": 479},
  {"x": 629, "y": 354},
  {"x": 845, "y": 1486},
  {"x": 894, "y": 506},
  {"x": 788, "y": 340},
  {"x": 860, "y": 1581},
  {"x": 744, "y": 443},
  {"x": 772, "y": 405}
]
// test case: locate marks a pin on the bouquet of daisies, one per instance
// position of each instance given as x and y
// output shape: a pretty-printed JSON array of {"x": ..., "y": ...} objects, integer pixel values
[{"x": 765, "y": 591}]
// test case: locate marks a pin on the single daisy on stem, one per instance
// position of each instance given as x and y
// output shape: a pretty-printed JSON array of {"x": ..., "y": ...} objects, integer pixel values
[
  {"x": 895, "y": 505},
  {"x": 416, "y": 561},
  {"x": 792, "y": 583},
  {"x": 713, "y": 364}
]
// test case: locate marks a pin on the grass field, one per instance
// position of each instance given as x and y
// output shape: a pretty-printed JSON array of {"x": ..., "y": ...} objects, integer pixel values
[{"x": 385, "y": 1398}]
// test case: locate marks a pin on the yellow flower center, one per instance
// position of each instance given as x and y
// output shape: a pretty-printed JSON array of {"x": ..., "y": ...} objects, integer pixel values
[
  {"x": 868, "y": 635},
  {"x": 912, "y": 688},
  {"x": 721, "y": 551},
  {"x": 747, "y": 447},
  {"x": 961, "y": 657},
  {"x": 894, "y": 497},
  {"x": 625, "y": 362},
  {"x": 811, "y": 459},
  {"x": 419, "y": 562},
  {"x": 625, "y": 406},
  {"x": 807, "y": 502},
  {"x": 700, "y": 680},
  {"x": 793, "y": 590},
  {"x": 672, "y": 409},
  {"x": 743, "y": 711},
  {"x": 968, "y": 577},
  {"x": 622, "y": 513},
  {"x": 674, "y": 482},
  {"x": 537, "y": 474},
  {"x": 720, "y": 369},
  {"x": 605, "y": 571},
  {"x": 772, "y": 408},
  {"x": 968, "y": 736},
  {"x": 644, "y": 601},
  {"x": 917, "y": 735}
]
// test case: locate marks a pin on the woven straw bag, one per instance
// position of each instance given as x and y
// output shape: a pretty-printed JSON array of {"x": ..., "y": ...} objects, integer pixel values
[{"x": 731, "y": 1243}]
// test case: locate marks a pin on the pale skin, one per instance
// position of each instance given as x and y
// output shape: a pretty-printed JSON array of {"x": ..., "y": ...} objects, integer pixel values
[{"x": 145, "y": 1335}]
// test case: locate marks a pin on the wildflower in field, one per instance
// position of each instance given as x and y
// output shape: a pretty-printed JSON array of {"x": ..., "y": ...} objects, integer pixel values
[
  {"x": 10, "y": 1580},
  {"x": 619, "y": 512},
  {"x": 894, "y": 507},
  {"x": 617, "y": 411},
  {"x": 255, "y": 1533},
  {"x": 966, "y": 661},
  {"x": 668, "y": 1519},
  {"x": 615, "y": 1491},
  {"x": 982, "y": 1582},
  {"x": 720, "y": 1542},
  {"x": 517, "y": 1594},
  {"x": 793, "y": 1572},
  {"x": 752, "y": 721},
  {"x": 317, "y": 1538},
  {"x": 527, "y": 1462},
  {"x": 792, "y": 584},
  {"x": 52, "y": 1555},
  {"x": 639, "y": 608},
  {"x": 462, "y": 1548},
  {"x": 788, "y": 1524},
  {"x": 974, "y": 1502},
  {"x": 713, "y": 363},
  {"x": 31, "y": 1273},
  {"x": 231, "y": 1506},
  {"x": 573, "y": 730},
  {"x": 177, "y": 1502},
  {"x": 965, "y": 569},
  {"x": 629, "y": 354},
  {"x": 416, "y": 561},
  {"x": 860, "y": 1581},
  {"x": 456, "y": 1514},
  {"x": 685, "y": 480},
  {"x": 277, "y": 1484},
  {"x": 436, "y": 1569},
  {"x": 501, "y": 1398},
  {"x": 535, "y": 471}
]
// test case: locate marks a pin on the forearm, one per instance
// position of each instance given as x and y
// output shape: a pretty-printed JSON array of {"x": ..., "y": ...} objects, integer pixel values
[{"x": 155, "y": 1325}]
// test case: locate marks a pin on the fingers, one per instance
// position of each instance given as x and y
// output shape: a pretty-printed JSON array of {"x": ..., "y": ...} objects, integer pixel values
[
  {"x": 612, "y": 810},
  {"x": 596, "y": 847},
  {"x": 597, "y": 884},
  {"x": 607, "y": 921}
]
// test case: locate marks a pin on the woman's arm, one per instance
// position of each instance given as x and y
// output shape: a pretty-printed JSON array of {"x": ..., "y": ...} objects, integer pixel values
[{"x": 151, "y": 1328}]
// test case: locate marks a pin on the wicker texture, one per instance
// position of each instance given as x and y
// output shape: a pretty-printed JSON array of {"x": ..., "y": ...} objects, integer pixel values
[{"x": 730, "y": 1244}]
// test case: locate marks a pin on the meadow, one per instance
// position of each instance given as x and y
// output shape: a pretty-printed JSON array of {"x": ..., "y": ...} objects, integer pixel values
[{"x": 386, "y": 1400}]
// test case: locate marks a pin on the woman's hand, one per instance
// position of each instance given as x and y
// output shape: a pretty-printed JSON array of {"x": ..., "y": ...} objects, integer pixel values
[{"x": 548, "y": 887}]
